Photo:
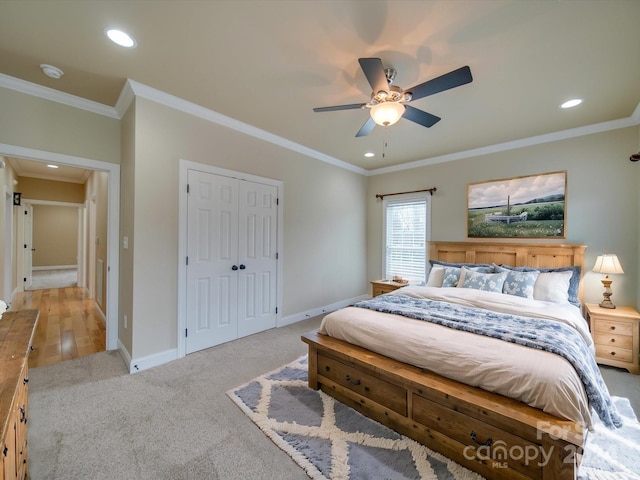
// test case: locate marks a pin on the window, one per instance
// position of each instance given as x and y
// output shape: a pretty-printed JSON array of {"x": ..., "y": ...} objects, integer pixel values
[{"x": 406, "y": 230}]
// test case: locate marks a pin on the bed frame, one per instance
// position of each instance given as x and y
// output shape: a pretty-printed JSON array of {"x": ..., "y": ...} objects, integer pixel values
[{"x": 495, "y": 436}]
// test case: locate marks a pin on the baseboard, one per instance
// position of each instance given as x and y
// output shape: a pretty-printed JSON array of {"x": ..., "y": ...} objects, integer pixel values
[
  {"x": 160, "y": 358},
  {"x": 298, "y": 317}
]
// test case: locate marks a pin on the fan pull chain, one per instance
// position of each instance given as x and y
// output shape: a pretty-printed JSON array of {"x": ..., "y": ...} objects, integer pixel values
[{"x": 384, "y": 142}]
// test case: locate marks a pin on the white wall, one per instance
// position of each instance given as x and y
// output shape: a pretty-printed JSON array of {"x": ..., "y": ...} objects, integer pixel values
[{"x": 602, "y": 200}]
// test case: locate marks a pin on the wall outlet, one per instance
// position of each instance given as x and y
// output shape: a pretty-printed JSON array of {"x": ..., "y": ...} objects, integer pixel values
[{"x": 126, "y": 321}]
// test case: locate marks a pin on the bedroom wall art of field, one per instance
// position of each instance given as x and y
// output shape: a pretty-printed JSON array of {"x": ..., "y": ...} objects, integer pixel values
[{"x": 525, "y": 221}]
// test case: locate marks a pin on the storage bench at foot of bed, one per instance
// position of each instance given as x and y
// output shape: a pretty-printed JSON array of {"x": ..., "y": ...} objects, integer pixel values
[{"x": 493, "y": 435}]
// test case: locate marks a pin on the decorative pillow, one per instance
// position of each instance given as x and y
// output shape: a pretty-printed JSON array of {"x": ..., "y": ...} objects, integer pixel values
[
  {"x": 436, "y": 276},
  {"x": 553, "y": 287},
  {"x": 490, "y": 282},
  {"x": 520, "y": 283},
  {"x": 451, "y": 277},
  {"x": 574, "y": 282}
]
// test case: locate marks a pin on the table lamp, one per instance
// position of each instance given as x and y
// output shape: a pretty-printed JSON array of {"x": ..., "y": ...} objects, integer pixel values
[{"x": 607, "y": 264}]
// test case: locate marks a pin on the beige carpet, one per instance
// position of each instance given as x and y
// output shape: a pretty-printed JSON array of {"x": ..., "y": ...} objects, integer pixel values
[{"x": 89, "y": 419}]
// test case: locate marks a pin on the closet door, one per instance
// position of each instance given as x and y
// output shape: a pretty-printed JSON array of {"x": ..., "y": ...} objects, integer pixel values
[
  {"x": 257, "y": 257},
  {"x": 212, "y": 249}
]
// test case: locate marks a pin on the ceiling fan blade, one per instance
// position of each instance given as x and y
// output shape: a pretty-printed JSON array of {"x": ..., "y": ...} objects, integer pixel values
[
  {"x": 374, "y": 71},
  {"x": 418, "y": 116},
  {"x": 366, "y": 128},
  {"x": 447, "y": 81},
  {"x": 352, "y": 106}
]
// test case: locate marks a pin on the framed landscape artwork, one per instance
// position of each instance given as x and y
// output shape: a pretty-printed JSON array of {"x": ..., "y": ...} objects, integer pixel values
[{"x": 524, "y": 207}]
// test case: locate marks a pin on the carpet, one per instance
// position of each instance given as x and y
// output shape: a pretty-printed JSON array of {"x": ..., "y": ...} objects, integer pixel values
[{"x": 332, "y": 441}]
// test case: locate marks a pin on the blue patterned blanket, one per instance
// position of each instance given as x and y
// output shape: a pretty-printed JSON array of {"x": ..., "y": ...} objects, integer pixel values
[{"x": 536, "y": 333}]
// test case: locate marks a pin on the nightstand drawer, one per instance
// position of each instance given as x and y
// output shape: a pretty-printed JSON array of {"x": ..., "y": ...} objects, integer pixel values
[
  {"x": 619, "y": 328},
  {"x": 614, "y": 353},
  {"x": 607, "y": 340}
]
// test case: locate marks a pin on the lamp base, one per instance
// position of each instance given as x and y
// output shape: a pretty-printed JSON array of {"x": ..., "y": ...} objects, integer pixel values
[{"x": 606, "y": 301}]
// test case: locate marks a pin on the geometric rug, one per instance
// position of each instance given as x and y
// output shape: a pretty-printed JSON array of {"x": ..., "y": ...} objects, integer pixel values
[{"x": 331, "y": 441}]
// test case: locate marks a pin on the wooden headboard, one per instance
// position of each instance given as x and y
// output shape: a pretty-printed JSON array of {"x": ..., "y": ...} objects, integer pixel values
[{"x": 537, "y": 255}]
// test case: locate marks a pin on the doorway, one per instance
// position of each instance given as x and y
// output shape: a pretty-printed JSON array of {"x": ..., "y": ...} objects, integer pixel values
[{"x": 113, "y": 221}]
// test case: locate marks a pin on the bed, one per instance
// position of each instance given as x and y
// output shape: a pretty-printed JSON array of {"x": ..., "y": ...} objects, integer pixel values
[{"x": 523, "y": 418}]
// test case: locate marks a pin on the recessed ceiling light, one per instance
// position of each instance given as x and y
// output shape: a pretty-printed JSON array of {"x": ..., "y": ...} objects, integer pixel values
[
  {"x": 571, "y": 103},
  {"x": 369, "y": 154},
  {"x": 121, "y": 38},
  {"x": 51, "y": 71},
  {"x": 52, "y": 166}
]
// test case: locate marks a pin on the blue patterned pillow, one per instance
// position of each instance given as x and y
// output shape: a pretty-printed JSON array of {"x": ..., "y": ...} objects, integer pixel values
[
  {"x": 490, "y": 282},
  {"x": 520, "y": 283},
  {"x": 574, "y": 283},
  {"x": 451, "y": 277}
]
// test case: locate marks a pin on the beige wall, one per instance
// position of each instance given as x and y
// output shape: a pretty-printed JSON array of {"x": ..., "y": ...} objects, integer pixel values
[
  {"x": 127, "y": 206},
  {"x": 33, "y": 122},
  {"x": 324, "y": 218},
  {"x": 602, "y": 200},
  {"x": 55, "y": 236},
  {"x": 39, "y": 189}
]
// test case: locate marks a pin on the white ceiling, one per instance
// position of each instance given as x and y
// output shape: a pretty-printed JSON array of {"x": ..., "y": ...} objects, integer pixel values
[{"x": 268, "y": 63}]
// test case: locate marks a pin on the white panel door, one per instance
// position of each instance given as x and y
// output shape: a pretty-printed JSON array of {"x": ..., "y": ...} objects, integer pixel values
[
  {"x": 212, "y": 250},
  {"x": 257, "y": 256}
]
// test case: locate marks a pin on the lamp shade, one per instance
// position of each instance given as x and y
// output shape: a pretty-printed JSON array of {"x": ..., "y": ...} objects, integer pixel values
[
  {"x": 607, "y": 264},
  {"x": 387, "y": 113}
]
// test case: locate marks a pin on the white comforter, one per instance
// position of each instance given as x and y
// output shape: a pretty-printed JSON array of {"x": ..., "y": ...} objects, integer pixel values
[{"x": 541, "y": 379}]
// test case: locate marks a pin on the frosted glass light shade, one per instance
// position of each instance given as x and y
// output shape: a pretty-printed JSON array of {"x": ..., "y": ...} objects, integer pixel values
[{"x": 387, "y": 113}]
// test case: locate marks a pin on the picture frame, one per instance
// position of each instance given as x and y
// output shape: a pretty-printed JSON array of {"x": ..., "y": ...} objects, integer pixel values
[{"x": 532, "y": 206}]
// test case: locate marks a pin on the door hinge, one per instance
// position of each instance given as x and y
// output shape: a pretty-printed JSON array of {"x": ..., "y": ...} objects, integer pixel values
[
  {"x": 187, "y": 188},
  {"x": 24, "y": 279},
  {"x": 186, "y": 332},
  {"x": 277, "y": 201},
  {"x": 276, "y": 309},
  {"x": 277, "y": 256},
  {"x": 187, "y": 260}
]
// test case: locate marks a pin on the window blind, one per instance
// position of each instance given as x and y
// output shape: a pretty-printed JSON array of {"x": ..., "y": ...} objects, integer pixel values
[{"x": 405, "y": 239}]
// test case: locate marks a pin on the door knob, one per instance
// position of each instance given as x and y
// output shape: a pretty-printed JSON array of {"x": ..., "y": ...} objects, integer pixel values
[
  {"x": 234, "y": 268},
  {"x": 242, "y": 267}
]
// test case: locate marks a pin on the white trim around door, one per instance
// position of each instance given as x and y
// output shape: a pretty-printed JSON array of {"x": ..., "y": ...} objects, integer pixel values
[{"x": 185, "y": 167}]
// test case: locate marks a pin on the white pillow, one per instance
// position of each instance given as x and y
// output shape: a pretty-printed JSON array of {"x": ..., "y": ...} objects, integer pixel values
[
  {"x": 436, "y": 276},
  {"x": 552, "y": 287}
]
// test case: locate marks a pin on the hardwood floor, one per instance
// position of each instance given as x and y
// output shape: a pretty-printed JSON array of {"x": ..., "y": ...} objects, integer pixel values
[{"x": 69, "y": 325}]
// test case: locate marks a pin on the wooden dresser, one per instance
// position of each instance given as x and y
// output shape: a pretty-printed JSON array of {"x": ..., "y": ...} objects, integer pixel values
[{"x": 16, "y": 334}]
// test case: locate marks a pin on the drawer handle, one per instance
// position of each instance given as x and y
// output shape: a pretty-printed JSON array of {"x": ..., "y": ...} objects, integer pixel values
[
  {"x": 352, "y": 382},
  {"x": 613, "y": 354},
  {"x": 613, "y": 327},
  {"x": 488, "y": 443}
]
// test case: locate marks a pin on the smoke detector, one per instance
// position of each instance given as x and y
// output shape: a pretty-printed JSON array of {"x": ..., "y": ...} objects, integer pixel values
[{"x": 51, "y": 71}]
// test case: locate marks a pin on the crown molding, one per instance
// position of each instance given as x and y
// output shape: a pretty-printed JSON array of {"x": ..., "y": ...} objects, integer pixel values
[
  {"x": 57, "y": 96},
  {"x": 149, "y": 93},
  {"x": 631, "y": 121}
]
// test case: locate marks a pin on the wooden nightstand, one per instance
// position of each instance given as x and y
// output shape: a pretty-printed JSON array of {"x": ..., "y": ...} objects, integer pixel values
[
  {"x": 616, "y": 334},
  {"x": 385, "y": 286}
]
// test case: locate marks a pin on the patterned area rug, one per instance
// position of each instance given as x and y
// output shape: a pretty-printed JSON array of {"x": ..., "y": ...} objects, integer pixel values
[{"x": 332, "y": 441}]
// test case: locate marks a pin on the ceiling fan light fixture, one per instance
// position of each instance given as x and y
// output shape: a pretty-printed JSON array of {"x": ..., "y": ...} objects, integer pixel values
[{"x": 387, "y": 113}]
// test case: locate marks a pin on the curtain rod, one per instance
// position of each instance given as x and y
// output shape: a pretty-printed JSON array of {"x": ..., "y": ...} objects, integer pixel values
[{"x": 430, "y": 190}]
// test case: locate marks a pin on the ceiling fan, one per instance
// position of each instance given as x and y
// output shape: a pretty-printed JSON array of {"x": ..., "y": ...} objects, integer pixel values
[{"x": 388, "y": 102}]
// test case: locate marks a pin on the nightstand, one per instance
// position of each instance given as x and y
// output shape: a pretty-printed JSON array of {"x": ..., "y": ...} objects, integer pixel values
[
  {"x": 616, "y": 334},
  {"x": 385, "y": 286}
]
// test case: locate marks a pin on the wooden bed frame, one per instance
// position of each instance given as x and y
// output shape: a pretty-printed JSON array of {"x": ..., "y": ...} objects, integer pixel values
[{"x": 495, "y": 436}]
